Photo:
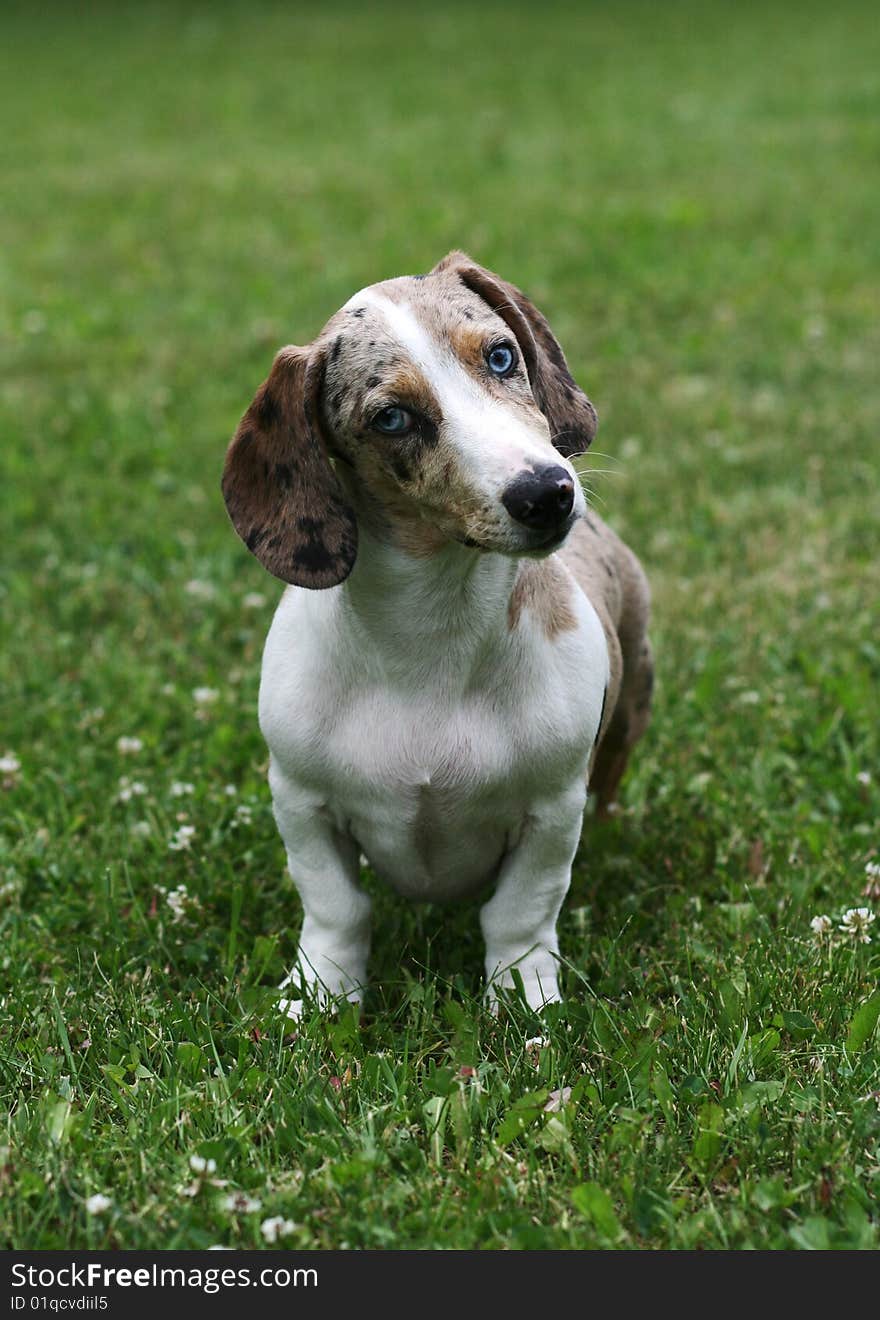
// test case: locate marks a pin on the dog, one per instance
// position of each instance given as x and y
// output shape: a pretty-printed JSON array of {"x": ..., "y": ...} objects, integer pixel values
[{"x": 463, "y": 646}]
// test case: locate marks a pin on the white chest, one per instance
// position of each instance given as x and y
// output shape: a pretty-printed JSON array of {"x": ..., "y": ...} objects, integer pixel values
[{"x": 435, "y": 779}]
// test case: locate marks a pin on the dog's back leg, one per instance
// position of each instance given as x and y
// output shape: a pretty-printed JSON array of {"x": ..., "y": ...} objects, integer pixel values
[
  {"x": 629, "y": 721},
  {"x": 632, "y": 710}
]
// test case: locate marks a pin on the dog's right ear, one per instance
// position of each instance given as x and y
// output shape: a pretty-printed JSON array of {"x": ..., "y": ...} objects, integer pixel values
[{"x": 281, "y": 492}]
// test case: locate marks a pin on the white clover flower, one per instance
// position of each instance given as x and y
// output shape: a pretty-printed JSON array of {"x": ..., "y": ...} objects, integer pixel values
[
  {"x": 204, "y": 696},
  {"x": 177, "y": 900},
  {"x": 533, "y": 1047},
  {"x": 557, "y": 1100},
  {"x": 141, "y": 829},
  {"x": 243, "y": 815},
  {"x": 128, "y": 746},
  {"x": 872, "y": 888},
  {"x": 168, "y": 689},
  {"x": 9, "y": 764},
  {"x": 98, "y": 1204},
  {"x": 855, "y": 923},
  {"x": 821, "y": 926},
  {"x": 130, "y": 788},
  {"x": 182, "y": 838},
  {"x": 200, "y": 589},
  {"x": 277, "y": 1227},
  {"x": 199, "y": 1164},
  {"x": 254, "y": 601},
  {"x": 863, "y": 778},
  {"x": 230, "y": 790},
  {"x": 181, "y": 789},
  {"x": 241, "y": 1204}
]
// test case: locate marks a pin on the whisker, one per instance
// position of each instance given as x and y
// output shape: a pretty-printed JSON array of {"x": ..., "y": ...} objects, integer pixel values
[
  {"x": 599, "y": 453},
  {"x": 592, "y": 496}
]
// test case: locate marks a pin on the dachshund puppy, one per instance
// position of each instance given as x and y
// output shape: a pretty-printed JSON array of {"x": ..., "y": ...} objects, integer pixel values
[{"x": 463, "y": 646}]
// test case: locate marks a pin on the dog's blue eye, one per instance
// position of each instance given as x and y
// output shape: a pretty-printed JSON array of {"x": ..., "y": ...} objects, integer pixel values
[
  {"x": 393, "y": 421},
  {"x": 501, "y": 359}
]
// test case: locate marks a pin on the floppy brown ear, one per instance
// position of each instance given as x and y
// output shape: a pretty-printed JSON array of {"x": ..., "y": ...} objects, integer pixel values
[
  {"x": 281, "y": 492},
  {"x": 571, "y": 416}
]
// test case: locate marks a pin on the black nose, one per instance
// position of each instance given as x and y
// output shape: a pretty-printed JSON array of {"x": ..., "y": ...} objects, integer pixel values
[{"x": 540, "y": 500}]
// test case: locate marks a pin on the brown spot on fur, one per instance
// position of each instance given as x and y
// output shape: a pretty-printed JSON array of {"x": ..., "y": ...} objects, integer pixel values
[
  {"x": 468, "y": 343},
  {"x": 544, "y": 589},
  {"x": 406, "y": 385}
]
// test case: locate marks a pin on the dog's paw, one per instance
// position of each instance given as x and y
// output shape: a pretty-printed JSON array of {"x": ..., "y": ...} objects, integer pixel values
[
  {"x": 292, "y": 1009},
  {"x": 315, "y": 994},
  {"x": 535, "y": 989}
]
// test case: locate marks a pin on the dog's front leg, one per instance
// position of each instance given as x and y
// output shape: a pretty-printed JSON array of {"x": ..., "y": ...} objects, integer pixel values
[
  {"x": 519, "y": 921},
  {"x": 331, "y": 961}
]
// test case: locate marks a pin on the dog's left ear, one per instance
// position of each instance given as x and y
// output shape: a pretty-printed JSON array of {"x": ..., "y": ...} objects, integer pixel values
[{"x": 571, "y": 416}]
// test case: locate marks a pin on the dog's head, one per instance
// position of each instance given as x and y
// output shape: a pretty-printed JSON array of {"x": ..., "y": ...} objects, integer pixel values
[{"x": 430, "y": 408}]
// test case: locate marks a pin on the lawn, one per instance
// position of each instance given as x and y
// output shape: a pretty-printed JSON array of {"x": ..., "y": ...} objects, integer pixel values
[{"x": 689, "y": 191}]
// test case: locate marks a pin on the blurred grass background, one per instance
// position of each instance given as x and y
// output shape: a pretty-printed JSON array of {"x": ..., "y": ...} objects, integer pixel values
[{"x": 689, "y": 192}]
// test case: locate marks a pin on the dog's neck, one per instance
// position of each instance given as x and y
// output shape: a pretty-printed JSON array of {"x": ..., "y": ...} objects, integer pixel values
[{"x": 414, "y": 611}]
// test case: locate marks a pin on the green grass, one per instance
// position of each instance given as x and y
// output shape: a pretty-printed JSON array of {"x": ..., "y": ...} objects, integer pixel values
[{"x": 689, "y": 191}]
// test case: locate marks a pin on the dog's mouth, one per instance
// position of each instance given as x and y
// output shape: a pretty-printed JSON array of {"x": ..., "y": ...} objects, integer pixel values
[
  {"x": 538, "y": 545},
  {"x": 547, "y": 542}
]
